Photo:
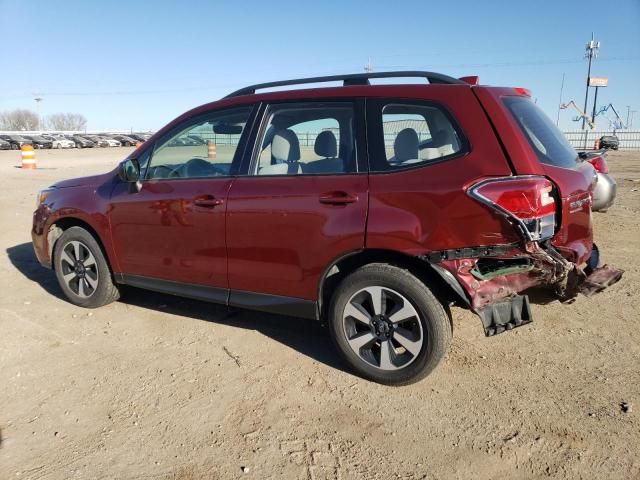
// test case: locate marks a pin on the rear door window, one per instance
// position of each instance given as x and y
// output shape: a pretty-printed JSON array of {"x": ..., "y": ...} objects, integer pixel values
[
  {"x": 308, "y": 139},
  {"x": 407, "y": 135},
  {"x": 547, "y": 141}
]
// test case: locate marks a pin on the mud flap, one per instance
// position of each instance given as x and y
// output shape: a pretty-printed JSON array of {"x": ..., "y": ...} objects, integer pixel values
[{"x": 505, "y": 315}]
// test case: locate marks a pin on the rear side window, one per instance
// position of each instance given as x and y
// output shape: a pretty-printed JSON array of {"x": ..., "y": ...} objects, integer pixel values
[
  {"x": 413, "y": 135},
  {"x": 308, "y": 139},
  {"x": 550, "y": 145}
]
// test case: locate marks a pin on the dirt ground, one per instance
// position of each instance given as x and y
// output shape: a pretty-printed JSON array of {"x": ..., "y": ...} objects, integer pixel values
[{"x": 157, "y": 387}]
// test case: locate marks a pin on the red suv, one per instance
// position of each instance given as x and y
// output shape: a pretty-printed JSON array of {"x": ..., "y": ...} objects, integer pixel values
[{"x": 370, "y": 207}]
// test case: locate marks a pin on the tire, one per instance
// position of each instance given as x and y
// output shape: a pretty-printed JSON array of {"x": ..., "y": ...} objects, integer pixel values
[
  {"x": 59, "y": 147},
  {"x": 78, "y": 145},
  {"x": 127, "y": 144},
  {"x": 14, "y": 146},
  {"x": 412, "y": 323},
  {"x": 87, "y": 283}
]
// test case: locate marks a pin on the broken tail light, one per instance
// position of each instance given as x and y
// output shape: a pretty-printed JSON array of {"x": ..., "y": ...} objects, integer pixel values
[
  {"x": 600, "y": 164},
  {"x": 527, "y": 201}
]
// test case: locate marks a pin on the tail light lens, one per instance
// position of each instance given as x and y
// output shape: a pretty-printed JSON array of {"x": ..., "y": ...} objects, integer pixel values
[
  {"x": 600, "y": 164},
  {"x": 527, "y": 201}
]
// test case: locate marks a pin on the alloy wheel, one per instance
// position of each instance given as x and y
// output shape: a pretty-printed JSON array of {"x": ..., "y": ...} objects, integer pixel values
[
  {"x": 79, "y": 269},
  {"x": 383, "y": 328}
]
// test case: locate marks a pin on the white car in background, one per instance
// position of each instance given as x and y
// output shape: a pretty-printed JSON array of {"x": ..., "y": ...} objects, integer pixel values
[
  {"x": 60, "y": 141},
  {"x": 112, "y": 142}
]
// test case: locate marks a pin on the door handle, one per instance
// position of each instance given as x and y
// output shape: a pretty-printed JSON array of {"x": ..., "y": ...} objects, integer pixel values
[
  {"x": 207, "y": 201},
  {"x": 338, "y": 198}
]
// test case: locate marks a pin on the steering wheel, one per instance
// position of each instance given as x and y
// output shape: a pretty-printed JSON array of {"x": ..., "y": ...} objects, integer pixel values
[
  {"x": 165, "y": 167},
  {"x": 198, "y": 167}
]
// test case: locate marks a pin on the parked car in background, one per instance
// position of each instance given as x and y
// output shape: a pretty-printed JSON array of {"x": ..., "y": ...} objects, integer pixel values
[
  {"x": 609, "y": 142},
  {"x": 125, "y": 140},
  {"x": 97, "y": 140},
  {"x": 136, "y": 136},
  {"x": 4, "y": 145},
  {"x": 39, "y": 142},
  {"x": 110, "y": 141},
  {"x": 59, "y": 141},
  {"x": 604, "y": 191},
  {"x": 367, "y": 229},
  {"x": 82, "y": 142},
  {"x": 16, "y": 141}
]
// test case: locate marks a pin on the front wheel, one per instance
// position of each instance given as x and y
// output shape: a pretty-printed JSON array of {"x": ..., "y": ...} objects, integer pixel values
[
  {"x": 388, "y": 325},
  {"x": 82, "y": 270}
]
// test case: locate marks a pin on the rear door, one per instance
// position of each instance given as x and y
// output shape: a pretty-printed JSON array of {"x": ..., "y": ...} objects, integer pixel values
[
  {"x": 425, "y": 149},
  {"x": 537, "y": 146},
  {"x": 302, "y": 203}
]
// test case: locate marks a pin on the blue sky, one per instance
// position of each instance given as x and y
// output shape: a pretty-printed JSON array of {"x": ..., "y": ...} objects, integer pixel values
[{"x": 138, "y": 64}]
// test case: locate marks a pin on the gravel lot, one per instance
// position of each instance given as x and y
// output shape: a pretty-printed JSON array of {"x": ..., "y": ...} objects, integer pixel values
[{"x": 158, "y": 387}]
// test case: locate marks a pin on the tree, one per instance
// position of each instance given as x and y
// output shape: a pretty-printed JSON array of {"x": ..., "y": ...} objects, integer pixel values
[
  {"x": 19, "y": 119},
  {"x": 66, "y": 121}
]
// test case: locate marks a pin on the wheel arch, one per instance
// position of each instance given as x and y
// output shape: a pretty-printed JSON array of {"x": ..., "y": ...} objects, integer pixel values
[
  {"x": 60, "y": 225},
  {"x": 442, "y": 287}
]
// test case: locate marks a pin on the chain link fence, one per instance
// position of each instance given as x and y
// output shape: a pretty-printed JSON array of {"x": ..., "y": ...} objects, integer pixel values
[{"x": 586, "y": 139}]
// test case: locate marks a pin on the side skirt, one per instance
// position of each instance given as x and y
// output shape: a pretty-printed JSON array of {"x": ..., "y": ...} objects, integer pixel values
[{"x": 291, "y": 306}]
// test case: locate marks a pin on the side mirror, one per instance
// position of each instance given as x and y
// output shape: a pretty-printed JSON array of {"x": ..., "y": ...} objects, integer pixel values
[{"x": 129, "y": 172}]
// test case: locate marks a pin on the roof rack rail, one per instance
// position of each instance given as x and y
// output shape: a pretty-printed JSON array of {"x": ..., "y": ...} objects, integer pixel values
[{"x": 351, "y": 79}]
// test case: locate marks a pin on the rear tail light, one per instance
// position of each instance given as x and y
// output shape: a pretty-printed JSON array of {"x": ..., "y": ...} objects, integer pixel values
[
  {"x": 526, "y": 201},
  {"x": 600, "y": 164}
]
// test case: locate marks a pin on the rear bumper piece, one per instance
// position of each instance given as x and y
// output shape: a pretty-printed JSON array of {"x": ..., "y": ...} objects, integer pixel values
[{"x": 505, "y": 315}]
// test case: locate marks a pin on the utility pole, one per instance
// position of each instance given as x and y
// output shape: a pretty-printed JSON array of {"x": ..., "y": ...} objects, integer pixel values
[
  {"x": 560, "y": 103},
  {"x": 590, "y": 53},
  {"x": 595, "y": 99},
  {"x": 628, "y": 108},
  {"x": 369, "y": 66}
]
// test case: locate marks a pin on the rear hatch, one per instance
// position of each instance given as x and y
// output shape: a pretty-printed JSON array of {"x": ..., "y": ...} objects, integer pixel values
[{"x": 535, "y": 146}]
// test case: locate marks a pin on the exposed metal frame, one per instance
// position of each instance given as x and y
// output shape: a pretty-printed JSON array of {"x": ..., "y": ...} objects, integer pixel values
[{"x": 352, "y": 79}]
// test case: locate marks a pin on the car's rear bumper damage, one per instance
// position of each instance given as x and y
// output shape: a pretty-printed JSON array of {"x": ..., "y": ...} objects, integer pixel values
[{"x": 491, "y": 278}]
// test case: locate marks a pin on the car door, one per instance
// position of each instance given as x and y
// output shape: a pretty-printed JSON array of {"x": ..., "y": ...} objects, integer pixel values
[
  {"x": 173, "y": 229},
  {"x": 302, "y": 204}
]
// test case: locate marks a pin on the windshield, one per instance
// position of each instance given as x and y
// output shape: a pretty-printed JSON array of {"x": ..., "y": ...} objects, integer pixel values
[{"x": 550, "y": 145}]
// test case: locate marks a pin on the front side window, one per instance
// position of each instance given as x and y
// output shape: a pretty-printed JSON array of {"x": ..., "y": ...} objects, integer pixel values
[
  {"x": 414, "y": 134},
  {"x": 307, "y": 139},
  {"x": 204, "y": 147}
]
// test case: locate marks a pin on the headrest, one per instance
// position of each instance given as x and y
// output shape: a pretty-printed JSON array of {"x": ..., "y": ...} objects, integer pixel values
[
  {"x": 326, "y": 145},
  {"x": 285, "y": 146},
  {"x": 405, "y": 146},
  {"x": 442, "y": 137}
]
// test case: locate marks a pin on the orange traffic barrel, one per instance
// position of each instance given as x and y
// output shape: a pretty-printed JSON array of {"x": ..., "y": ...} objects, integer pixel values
[
  {"x": 211, "y": 149},
  {"x": 28, "y": 157}
]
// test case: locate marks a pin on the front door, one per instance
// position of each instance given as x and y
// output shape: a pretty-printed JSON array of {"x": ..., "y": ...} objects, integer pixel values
[
  {"x": 174, "y": 227},
  {"x": 302, "y": 204}
]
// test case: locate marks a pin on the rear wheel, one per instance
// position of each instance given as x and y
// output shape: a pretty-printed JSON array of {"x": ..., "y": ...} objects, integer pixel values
[
  {"x": 82, "y": 270},
  {"x": 388, "y": 325}
]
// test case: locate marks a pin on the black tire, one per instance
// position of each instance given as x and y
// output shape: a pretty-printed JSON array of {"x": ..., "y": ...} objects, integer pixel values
[
  {"x": 435, "y": 326},
  {"x": 127, "y": 144},
  {"x": 78, "y": 145},
  {"x": 105, "y": 290}
]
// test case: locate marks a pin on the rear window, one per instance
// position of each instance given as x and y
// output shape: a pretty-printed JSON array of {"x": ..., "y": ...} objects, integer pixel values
[{"x": 550, "y": 145}]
